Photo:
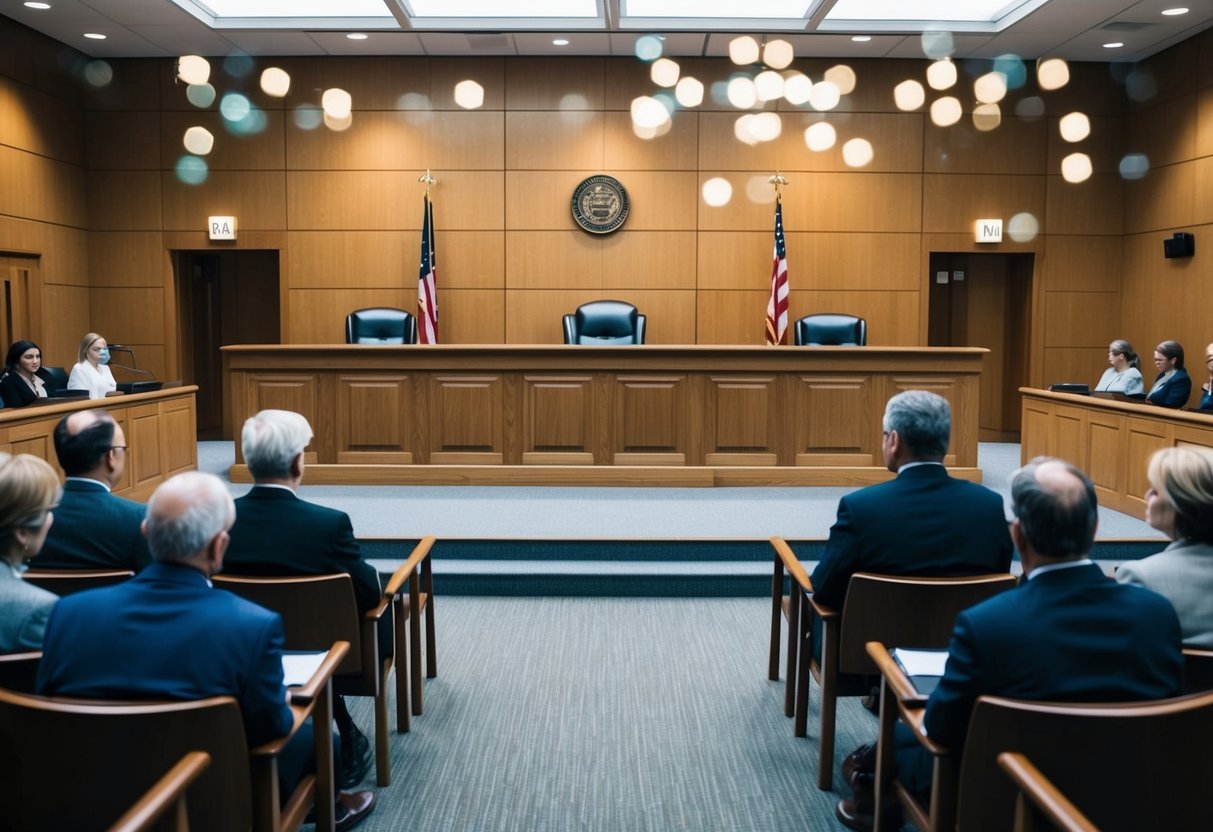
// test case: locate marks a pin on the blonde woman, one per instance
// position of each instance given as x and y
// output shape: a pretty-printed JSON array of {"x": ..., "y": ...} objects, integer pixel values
[
  {"x": 90, "y": 372},
  {"x": 1180, "y": 504},
  {"x": 29, "y": 489}
]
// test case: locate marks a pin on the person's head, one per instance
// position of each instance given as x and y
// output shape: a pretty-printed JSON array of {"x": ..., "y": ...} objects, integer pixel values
[
  {"x": 24, "y": 357},
  {"x": 1169, "y": 355},
  {"x": 29, "y": 489},
  {"x": 188, "y": 518},
  {"x": 1209, "y": 358},
  {"x": 93, "y": 349},
  {"x": 1121, "y": 355},
  {"x": 272, "y": 443},
  {"x": 1055, "y": 512},
  {"x": 1180, "y": 500},
  {"x": 89, "y": 443},
  {"x": 916, "y": 428}
]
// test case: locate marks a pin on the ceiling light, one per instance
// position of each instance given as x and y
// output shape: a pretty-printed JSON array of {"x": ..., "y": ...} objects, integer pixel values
[
  {"x": 356, "y": 36},
  {"x": 861, "y": 38},
  {"x": 560, "y": 42},
  {"x": 94, "y": 36},
  {"x": 1167, "y": 12},
  {"x": 1113, "y": 45},
  {"x": 42, "y": 6}
]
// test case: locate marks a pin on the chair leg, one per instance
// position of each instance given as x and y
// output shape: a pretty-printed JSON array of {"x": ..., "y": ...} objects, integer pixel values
[
  {"x": 404, "y": 719},
  {"x": 794, "y": 644},
  {"x": 383, "y": 763},
  {"x": 431, "y": 640},
  {"x": 776, "y": 624},
  {"x": 829, "y": 701},
  {"x": 415, "y": 658},
  {"x": 804, "y": 659},
  {"x": 884, "y": 752}
]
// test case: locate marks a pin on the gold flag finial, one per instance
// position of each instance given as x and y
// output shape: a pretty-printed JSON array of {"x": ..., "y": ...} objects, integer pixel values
[
  {"x": 778, "y": 180},
  {"x": 428, "y": 179}
]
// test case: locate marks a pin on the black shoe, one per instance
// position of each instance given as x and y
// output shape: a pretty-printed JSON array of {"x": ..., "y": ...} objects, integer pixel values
[
  {"x": 355, "y": 758},
  {"x": 862, "y": 759},
  {"x": 871, "y": 702},
  {"x": 352, "y": 809}
]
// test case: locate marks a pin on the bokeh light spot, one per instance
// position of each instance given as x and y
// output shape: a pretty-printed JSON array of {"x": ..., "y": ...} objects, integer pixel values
[
  {"x": 275, "y": 82},
  {"x": 689, "y": 92},
  {"x": 766, "y": 127},
  {"x": 1074, "y": 127},
  {"x": 742, "y": 132},
  {"x": 941, "y": 75},
  {"x": 990, "y": 88},
  {"x": 1141, "y": 85},
  {"x": 1014, "y": 73},
  {"x": 820, "y": 136},
  {"x": 649, "y": 47},
  {"x": 664, "y": 72},
  {"x": 987, "y": 117},
  {"x": 857, "y": 153},
  {"x": 98, "y": 73},
  {"x": 193, "y": 69},
  {"x": 198, "y": 141},
  {"x": 777, "y": 54},
  {"x": 469, "y": 94},
  {"x": 308, "y": 117},
  {"x": 337, "y": 103},
  {"x": 191, "y": 170},
  {"x": 909, "y": 95},
  {"x": 234, "y": 106},
  {"x": 1023, "y": 227},
  {"x": 743, "y": 50},
  {"x": 648, "y": 112},
  {"x": 841, "y": 76},
  {"x": 338, "y": 124},
  {"x": 1076, "y": 168},
  {"x": 759, "y": 190},
  {"x": 742, "y": 94},
  {"x": 768, "y": 85},
  {"x": 1052, "y": 73},
  {"x": 1134, "y": 166},
  {"x": 938, "y": 45},
  {"x": 717, "y": 192},
  {"x": 238, "y": 65},
  {"x": 797, "y": 88},
  {"x": 200, "y": 95},
  {"x": 1031, "y": 106},
  {"x": 824, "y": 96},
  {"x": 945, "y": 111}
]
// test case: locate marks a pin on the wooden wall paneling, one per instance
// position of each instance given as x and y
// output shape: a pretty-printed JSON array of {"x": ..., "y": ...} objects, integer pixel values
[
  {"x": 1105, "y": 455},
  {"x": 553, "y": 260},
  {"x": 547, "y": 141},
  {"x": 149, "y": 357},
  {"x": 1078, "y": 364},
  {"x": 1203, "y": 211},
  {"x": 890, "y": 315},
  {"x": 286, "y": 391},
  {"x": 471, "y": 316},
  {"x": 648, "y": 260},
  {"x": 833, "y": 420},
  {"x": 379, "y": 82},
  {"x": 1204, "y": 120},
  {"x": 555, "y": 83},
  {"x": 1017, "y": 146},
  {"x": 391, "y": 200},
  {"x": 651, "y": 420},
  {"x": 1081, "y": 319},
  {"x": 125, "y": 259},
  {"x": 671, "y": 313},
  {"x": 128, "y": 315},
  {"x": 260, "y": 151},
  {"x": 659, "y": 200},
  {"x": 1105, "y": 145},
  {"x": 1143, "y": 437},
  {"x": 125, "y": 201},
  {"x": 256, "y": 198},
  {"x": 1190, "y": 437},
  {"x": 466, "y": 415},
  {"x": 348, "y": 259},
  {"x": 737, "y": 260},
  {"x": 317, "y": 316},
  {"x": 178, "y": 435},
  {"x": 64, "y": 253},
  {"x": 403, "y": 139},
  {"x": 1081, "y": 263},
  {"x": 63, "y": 329},
  {"x": 741, "y": 420},
  {"x": 732, "y": 316},
  {"x": 129, "y": 140},
  {"x": 1161, "y": 201},
  {"x": 535, "y": 316},
  {"x": 896, "y": 140},
  {"x": 963, "y": 399},
  {"x": 558, "y": 419},
  {"x": 952, "y": 202},
  {"x": 40, "y": 123},
  {"x": 146, "y": 444},
  {"x": 542, "y": 200},
  {"x": 39, "y": 188},
  {"x": 1034, "y": 441},
  {"x": 375, "y": 418},
  {"x": 1067, "y": 435},
  {"x": 623, "y": 150},
  {"x": 136, "y": 85},
  {"x": 719, "y": 148},
  {"x": 624, "y": 79},
  {"x": 488, "y": 72},
  {"x": 864, "y": 202},
  {"x": 985, "y": 326},
  {"x": 1091, "y": 207},
  {"x": 37, "y": 440},
  {"x": 1171, "y": 72},
  {"x": 1150, "y": 286}
]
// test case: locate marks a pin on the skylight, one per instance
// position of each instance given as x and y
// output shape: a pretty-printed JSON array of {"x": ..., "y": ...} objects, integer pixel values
[
  {"x": 503, "y": 8},
  {"x": 292, "y": 8},
  {"x": 956, "y": 15},
  {"x": 708, "y": 9}
]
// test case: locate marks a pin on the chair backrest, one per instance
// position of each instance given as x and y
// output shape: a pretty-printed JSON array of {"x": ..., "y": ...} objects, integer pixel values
[
  {"x": 604, "y": 322},
  {"x": 831, "y": 329},
  {"x": 1198, "y": 669},
  {"x": 380, "y": 325},
  {"x": 1138, "y": 765},
  {"x": 19, "y": 671},
  {"x": 67, "y": 581},
  {"x": 76, "y": 764},
  {"x": 316, "y": 610},
  {"x": 58, "y": 376},
  {"x": 906, "y": 612}
]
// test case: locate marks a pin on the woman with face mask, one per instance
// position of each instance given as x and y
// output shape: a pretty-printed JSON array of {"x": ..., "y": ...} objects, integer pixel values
[{"x": 90, "y": 373}]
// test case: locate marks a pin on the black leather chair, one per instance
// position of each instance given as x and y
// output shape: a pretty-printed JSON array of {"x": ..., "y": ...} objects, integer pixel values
[
  {"x": 831, "y": 329},
  {"x": 380, "y": 325},
  {"x": 604, "y": 322},
  {"x": 57, "y": 377}
]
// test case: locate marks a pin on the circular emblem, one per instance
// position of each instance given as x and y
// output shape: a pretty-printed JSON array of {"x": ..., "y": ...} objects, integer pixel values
[{"x": 600, "y": 204}]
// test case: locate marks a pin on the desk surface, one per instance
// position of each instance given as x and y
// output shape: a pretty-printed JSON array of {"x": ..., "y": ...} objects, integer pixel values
[{"x": 562, "y": 415}]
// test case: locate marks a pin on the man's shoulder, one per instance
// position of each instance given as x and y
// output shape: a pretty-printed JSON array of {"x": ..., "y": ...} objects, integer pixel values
[{"x": 283, "y": 501}]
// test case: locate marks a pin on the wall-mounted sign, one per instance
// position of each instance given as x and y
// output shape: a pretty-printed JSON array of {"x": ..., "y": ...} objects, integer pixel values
[
  {"x": 600, "y": 204},
  {"x": 989, "y": 231},
  {"x": 221, "y": 228}
]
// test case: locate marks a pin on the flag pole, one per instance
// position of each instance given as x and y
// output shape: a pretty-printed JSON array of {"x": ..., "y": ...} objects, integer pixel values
[{"x": 427, "y": 285}]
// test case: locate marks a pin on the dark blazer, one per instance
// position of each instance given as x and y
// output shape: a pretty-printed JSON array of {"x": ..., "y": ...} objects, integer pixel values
[
  {"x": 276, "y": 533},
  {"x": 1070, "y": 635},
  {"x": 923, "y": 523},
  {"x": 166, "y": 634},
  {"x": 1174, "y": 393},
  {"x": 16, "y": 393},
  {"x": 1206, "y": 400},
  {"x": 94, "y": 529}
]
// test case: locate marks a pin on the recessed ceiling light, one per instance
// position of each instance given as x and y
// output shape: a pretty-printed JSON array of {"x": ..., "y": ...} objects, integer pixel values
[
  {"x": 1167, "y": 12},
  {"x": 1113, "y": 45},
  {"x": 560, "y": 42},
  {"x": 41, "y": 6},
  {"x": 861, "y": 38},
  {"x": 356, "y": 36},
  {"x": 94, "y": 36}
]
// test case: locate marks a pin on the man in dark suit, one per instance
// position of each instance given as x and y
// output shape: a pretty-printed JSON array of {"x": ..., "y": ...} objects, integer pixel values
[
  {"x": 276, "y": 533},
  {"x": 168, "y": 634},
  {"x": 922, "y": 523},
  {"x": 1067, "y": 633},
  {"x": 93, "y": 528}
]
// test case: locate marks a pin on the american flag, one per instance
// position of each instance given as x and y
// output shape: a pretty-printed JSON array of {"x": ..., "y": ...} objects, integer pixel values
[
  {"x": 427, "y": 281},
  {"x": 777, "y": 307}
]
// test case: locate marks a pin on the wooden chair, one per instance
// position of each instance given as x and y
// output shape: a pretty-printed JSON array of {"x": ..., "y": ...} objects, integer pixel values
[
  {"x": 112, "y": 752},
  {"x": 1085, "y": 749},
  {"x": 787, "y": 566},
  {"x": 418, "y": 572},
  {"x": 66, "y": 581},
  {"x": 911, "y": 612},
  {"x": 319, "y": 609},
  {"x": 167, "y": 795},
  {"x": 1198, "y": 669},
  {"x": 1039, "y": 806},
  {"x": 19, "y": 671}
]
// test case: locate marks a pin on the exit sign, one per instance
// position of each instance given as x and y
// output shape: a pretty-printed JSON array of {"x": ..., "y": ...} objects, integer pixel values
[
  {"x": 221, "y": 228},
  {"x": 989, "y": 231}
]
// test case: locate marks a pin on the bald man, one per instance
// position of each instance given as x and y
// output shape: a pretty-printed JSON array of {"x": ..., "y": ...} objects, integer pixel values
[{"x": 93, "y": 528}]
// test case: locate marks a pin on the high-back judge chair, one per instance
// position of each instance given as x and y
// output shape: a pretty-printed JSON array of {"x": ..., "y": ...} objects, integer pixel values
[
  {"x": 831, "y": 329},
  {"x": 604, "y": 322},
  {"x": 380, "y": 325}
]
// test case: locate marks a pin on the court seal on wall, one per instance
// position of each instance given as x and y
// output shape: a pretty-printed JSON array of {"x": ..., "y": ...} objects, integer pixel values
[{"x": 600, "y": 204}]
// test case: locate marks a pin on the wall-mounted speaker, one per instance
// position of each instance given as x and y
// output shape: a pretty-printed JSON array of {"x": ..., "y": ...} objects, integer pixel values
[{"x": 1180, "y": 244}]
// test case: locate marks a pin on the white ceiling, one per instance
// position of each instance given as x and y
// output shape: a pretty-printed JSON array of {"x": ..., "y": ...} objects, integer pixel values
[{"x": 1073, "y": 29}]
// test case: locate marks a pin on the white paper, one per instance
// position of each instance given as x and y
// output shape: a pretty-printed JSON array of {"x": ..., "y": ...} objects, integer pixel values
[
  {"x": 921, "y": 662},
  {"x": 298, "y": 666}
]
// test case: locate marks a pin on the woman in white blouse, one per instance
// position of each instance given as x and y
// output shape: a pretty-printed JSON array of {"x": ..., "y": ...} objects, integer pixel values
[
  {"x": 1124, "y": 376},
  {"x": 90, "y": 373}
]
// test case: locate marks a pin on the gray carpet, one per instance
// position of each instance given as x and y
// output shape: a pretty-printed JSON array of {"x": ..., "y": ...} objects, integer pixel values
[{"x": 606, "y": 714}]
